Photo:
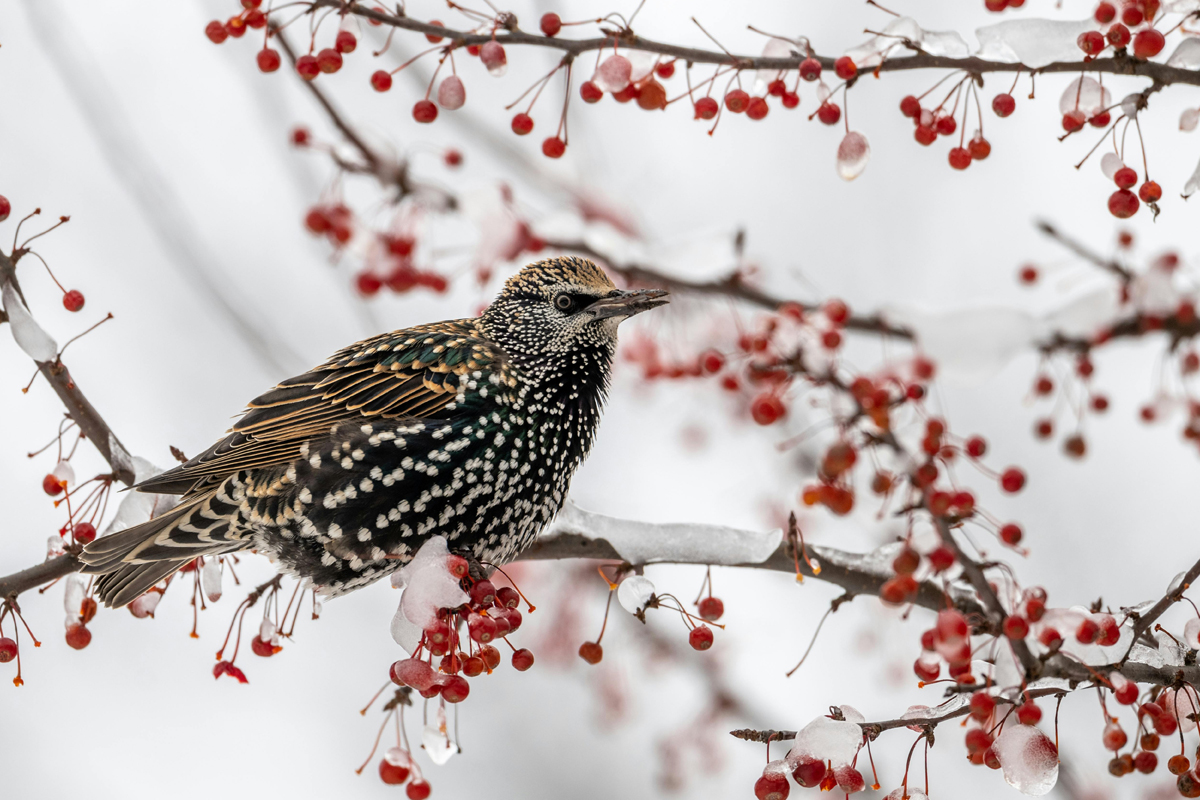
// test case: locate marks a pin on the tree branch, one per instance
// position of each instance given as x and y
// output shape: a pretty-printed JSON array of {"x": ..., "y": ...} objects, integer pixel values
[{"x": 1118, "y": 64}]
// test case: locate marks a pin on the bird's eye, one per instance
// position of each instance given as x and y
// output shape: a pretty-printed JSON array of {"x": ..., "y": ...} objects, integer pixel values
[{"x": 564, "y": 302}]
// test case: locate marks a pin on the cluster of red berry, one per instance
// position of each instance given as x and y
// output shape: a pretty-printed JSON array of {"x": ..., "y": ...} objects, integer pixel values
[{"x": 491, "y": 614}]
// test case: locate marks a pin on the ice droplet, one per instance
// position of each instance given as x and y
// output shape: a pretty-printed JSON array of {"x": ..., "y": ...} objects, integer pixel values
[
  {"x": 852, "y": 714},
  {"x": 30, "y": 337},
  {"x": 613, "y": 73},
  {"x": 823, "y": 92},
  {"x": 852, "y": 156},
  {"x": 1085, "y": 94},
  {"x": 1182, "y": 706},
  {"x": 1188, "y": 119},
  {"x": 1191, "y": 633},
  {"x": 1187, "y": 54},
  {"x": 144, "y": 604},
  {"x": 398, "y": 757},
  {"x": 266, "y": 630},
  {"x": 64, "y": 472},
  {"x": 1109, "y": 164},
  {"x": 774, "y": 48},
  {"x": 210, "y": 579},
  {"x": 73, "y": 595},
  {"x": 436, "y": 740},
  {"x": 1028, "y": 758},
  {"x": 494, "y": 58},
  {"x": 55, "y": 546},
  {"x": 451, "y": 93},
  {"x": 1129, "y": 105},
  {"x": 912, "y": 794},
  {"x": 826, "y": 739},
  {"x": 634, "y": 592}
]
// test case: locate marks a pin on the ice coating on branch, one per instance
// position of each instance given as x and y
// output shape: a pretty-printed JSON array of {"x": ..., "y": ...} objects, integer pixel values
[
  {"x": 1085, "y": 94},
  {"x": 1109, "y": 164},
  {"x": 970, "y": 344},
  {"x": 826, "y": 739},
  {"x": 870, "y": 53},
  {"x": 614, "y": 73},
  {"x": 210, "y": 579},
  {"x": 641, "y": 64},
  {"x": 852, "y": 714},
  {"x": 1155, "y": 291},
  {"x": 945, "y": 43},
  {"x": 852, "y": 156},
  {"x": 1028, "y": 758},
  {"x": 648, "y": 543},
  {"x": 428, "y": 586},
  {"x": 138, "y": 507},
  {"x": 1032, "y": 42},
  {"x": 1187, "y": 54},
  {"x": 634, "y": 593},
  {"x": 1082, "y": 315},
  {"x": 1181, "y": 6},
  {"x": 30, "y": 337},
  {"x": 1193, "y": 184},
  {"x": 1131, "y": 104},
  {"x": 774, "y": 48},
  {"x": 1188, "y": 119}
]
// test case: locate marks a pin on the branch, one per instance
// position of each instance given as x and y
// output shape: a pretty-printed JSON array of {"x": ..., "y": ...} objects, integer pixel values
[
  {"x": 33, "y": 577},
  {"x": 1118, "y": 64},
  {"x": 731, "y": 286},
  {"x": 1079, "y": 249},
  {"x": 1172, "y": 597}
]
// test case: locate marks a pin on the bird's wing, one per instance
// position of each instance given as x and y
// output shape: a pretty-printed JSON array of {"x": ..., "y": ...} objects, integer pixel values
[{"x": 407, "y": 374}]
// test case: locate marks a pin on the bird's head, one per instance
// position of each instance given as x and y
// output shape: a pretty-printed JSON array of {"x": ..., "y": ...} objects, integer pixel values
[{"x": 563, "y": 305}]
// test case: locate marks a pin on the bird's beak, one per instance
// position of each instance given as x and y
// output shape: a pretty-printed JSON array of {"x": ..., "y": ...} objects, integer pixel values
[{"x": 626, "y": 304}]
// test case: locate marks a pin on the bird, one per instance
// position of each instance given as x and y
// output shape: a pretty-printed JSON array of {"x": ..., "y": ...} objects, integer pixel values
[{"x": 470, "y": 429}]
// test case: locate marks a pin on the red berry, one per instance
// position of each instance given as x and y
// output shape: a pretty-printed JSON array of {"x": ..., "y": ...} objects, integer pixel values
[
  {"x": 1087, "y": 631},
  {"x": 553, "y": 147},
  {"x": 419, "y": 789},
  {"x": 809, "y": 772},
  {"x": 413, "y": 672},
  {"x": 652, "y": 96},
  {"x": 1101, "y": 120},
  {"x": 345, "y": 42},
  {"x": 480, "y": 628},
  {"x": 522, "y": 660},
  {"x": 490, "y": 656},
  {"x": 1016, "y": 627},
  {"x": 329, "y": 60},
  {"x": 1145, "y": 763},
  {"x": 737, "y": 101},
  {"x": 767, "y": 408},
  {"x": 925, "y": 135},
  {"x": 215, "y": 31},
  {"x": 1074, "y": 121},
  {"x": 845, "y": 68},
  {"x": 306, "y": 67},
  {"x": 1150, "y": 192},
  {"x": 945, "y": 126},
  {"x": 591, "y": 652},
  {"x": 831, "y": 340},
  {"x": 665, "y": 70},
  {"x": 1122, "y": 204},
  {"x": 392, "y": 774},
  {"x": 1012, "y": 480},
  {"x": 1011, "y": 534},
  {"x": 1132, "y": 16},
  {"x": 1148, "y": 43},
  {"x": 910, "y": 107},
  {"x": 776, "y": 88},
  {"x": 976, "y": 446},
  {"x": 84, "y": 532},
  {"x": 268, "y": 59},
  {"x": 790, "y": 99},
  {"x": 701, "y": 637},
  {"x": 8, "y": 649},
  {"x": 551, "y": 24},
  {"x": 978, "y": 740},
  {"x": 926, "y": 670},
  {"x": 424, "y": 111},
  {"x": 51, "y": 486},
  {"x": 433, "y": 38},
  {"x": 829, "y": 113},
  {"x": 73, "y": 300},
  {"x": 960, "y": 158},
  {"x": 1003, "y": 104},
  {"x": 711, "y": 608},
  {"x": 1114, "y": 737},
  {"x": 455, "y": 689},
  {"x": 78, "y": 636},
  {"x": 381, "y": 80},
  {"x": 810, "y": 69},
  {"x": 1118, "y": 35},
  {"x": 1029, "y": 713},
  {"x": 706, "y": 108},
  {"x": 1090, "y": 42},
  {"x": 757, "y": 109},
  {"x": 235, "y": 27},
  {"x": 522, "y": 124},
  {"x": 979, "y": 148},
  {"x": 1105, "y": 13},
  {"x": 982, "y": 705},
  {"x": 772, "y": 787},
  {"x": 941, "y": 559},
  {"x": 590, "y": 92},
  {"x": 5, "y": 208},
  {"x": 1124, "y": 178}
]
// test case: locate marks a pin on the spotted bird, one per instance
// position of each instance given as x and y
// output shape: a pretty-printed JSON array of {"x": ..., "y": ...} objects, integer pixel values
[{"x": 470, "y": 429}]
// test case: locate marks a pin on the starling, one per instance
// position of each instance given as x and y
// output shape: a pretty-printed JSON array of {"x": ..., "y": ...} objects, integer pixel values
[{"x": 470, "y": 429}]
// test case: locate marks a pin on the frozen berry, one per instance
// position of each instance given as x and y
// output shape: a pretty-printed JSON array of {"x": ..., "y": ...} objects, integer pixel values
[{"x": 701, "y": 637}]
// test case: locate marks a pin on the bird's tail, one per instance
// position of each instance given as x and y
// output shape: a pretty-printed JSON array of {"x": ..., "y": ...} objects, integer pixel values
[{"x": 133, "y": 560}]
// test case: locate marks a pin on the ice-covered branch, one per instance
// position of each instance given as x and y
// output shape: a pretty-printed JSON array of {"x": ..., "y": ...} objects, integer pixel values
[
  {"x": 1118, "y": 64},
  {"x": 582, "y": 534}
]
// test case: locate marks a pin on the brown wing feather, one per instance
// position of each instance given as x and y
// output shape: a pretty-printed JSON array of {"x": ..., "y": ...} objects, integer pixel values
[{"x": 402, "y": 375}]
